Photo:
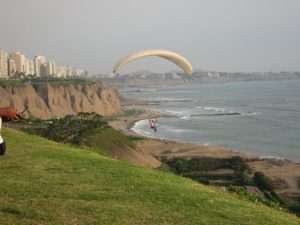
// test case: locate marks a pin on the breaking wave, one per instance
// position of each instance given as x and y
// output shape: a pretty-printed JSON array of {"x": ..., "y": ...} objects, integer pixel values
[
  {"x": 207, "y": 111},
  {"x": 138, "y": 128}
]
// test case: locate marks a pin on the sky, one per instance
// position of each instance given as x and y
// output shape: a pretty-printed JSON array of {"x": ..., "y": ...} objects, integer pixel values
[{"x": 218, "y": 35}]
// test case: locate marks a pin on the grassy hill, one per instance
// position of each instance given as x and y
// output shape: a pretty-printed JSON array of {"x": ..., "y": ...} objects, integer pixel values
[
  {"x": 114, "y": 143},
  {"x": 43, "y": 182}
]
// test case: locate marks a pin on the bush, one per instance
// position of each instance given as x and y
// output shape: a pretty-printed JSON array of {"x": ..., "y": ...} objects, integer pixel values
[
  {"x": 239, "y": 165},
  {"x": 204, "y": 164},
  {"x": 236, "y": 163},
  {"x": 297, "y": 199},
  {"x": 244, "y": 180},
  {"x": 253, "y": 197},
  {"x": 295, "y": 208},
  {"x": 263, "y": 182},
  {"x": 269, "y": 196},
  {"x": 180, "y": 165},
  {"x": 276, "y": 196},
  {"x": 33, "y": 118},
  {"x": 69, "y": 129},
  {"x": 165, "y": 168}
]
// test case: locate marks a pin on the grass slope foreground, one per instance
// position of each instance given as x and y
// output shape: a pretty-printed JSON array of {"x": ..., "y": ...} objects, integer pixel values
[{"x": 43, "y": 182}]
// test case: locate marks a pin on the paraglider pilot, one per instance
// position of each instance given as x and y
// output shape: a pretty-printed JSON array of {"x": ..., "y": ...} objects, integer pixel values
[
  {"x": 153, "y": 124},
  {"x": 8, "y": 114}
]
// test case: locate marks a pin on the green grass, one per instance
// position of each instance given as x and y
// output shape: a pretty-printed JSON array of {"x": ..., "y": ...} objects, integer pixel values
[
  {"x": 4, "y": 83},
  {"x": 43, "y": 182},
  {"x": 36, "y": 82},
  {"x": 106, "y": 139},
  {"x": 135, "y": 138}
]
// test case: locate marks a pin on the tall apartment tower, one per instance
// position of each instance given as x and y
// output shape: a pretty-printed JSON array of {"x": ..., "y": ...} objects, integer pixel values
[
  {"x": 11, "y": 67},
  {"x": 29, "y": 67},
  {"x": 40, "y": 64},
  {"x": 50, "y": 68},
  {"x": 3, "y": 63},
  {"x": 20, "y": 61}
]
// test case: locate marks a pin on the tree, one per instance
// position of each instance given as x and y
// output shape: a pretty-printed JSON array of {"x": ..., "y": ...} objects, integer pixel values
[
  {"x": 239, "y": 165},
  {"x": 180, "y": 165}
]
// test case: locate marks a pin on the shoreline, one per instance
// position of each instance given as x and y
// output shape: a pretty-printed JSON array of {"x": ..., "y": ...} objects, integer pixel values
[
  {"x": 284, "y": 172},
  {"x": 227, "y": 152},
  {"x": 260, "y": 157}
]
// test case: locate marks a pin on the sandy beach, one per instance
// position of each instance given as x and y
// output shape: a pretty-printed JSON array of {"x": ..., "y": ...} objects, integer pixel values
[{"x": 285, "y": 173}]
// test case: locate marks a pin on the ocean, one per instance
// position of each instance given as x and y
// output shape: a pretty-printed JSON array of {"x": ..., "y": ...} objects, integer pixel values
[{"x": 255, "y": 117}]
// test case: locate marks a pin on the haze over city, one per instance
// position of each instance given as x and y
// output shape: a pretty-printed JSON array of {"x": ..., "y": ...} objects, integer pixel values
[{"x": 232, "y": 35}]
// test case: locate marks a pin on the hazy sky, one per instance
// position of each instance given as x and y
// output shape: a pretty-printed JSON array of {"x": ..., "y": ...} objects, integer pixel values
[{"x": 221, "y": 35}]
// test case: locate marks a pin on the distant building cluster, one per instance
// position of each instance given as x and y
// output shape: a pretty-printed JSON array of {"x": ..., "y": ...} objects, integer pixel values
[{"x": 16, "y": 65}]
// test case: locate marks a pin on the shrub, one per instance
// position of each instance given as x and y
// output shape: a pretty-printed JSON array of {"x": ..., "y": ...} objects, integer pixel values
[
  {"x": 253, "y": 197},
  {"x": 69, "y": 129},
  {"x": 239, "y": 165},
  {"x": 263, "y": 182},
  {"x": 276, "y": 196},
  {"x": 33, "y": 118},
  {"x": 244, "y": 180},
  {"x": 180, "y": 165},
  {"x": 295, "y": 208},
  {"x": 204, "y": 164},
  {"x": 269, "y": 196},
  {"x": 165, "y": 168}
]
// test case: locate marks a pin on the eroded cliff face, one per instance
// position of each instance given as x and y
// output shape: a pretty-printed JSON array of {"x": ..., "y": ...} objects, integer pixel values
[{"x": 57, "y": 100}]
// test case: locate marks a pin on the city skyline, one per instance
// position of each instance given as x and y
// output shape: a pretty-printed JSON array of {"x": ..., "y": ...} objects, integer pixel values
[
  {"x": 245, "y": 36},
  {"x": 16, "y": 65}
]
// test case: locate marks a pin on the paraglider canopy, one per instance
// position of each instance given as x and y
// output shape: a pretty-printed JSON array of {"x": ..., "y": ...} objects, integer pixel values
[{"x": 171, "y": 56}]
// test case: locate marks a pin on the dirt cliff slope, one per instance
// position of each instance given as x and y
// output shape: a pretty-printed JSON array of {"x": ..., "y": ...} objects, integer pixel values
[{"x": 57, "y": 100}]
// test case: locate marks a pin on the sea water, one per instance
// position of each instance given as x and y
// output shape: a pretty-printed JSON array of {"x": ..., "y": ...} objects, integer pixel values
[{"x": 256, "y": 117}]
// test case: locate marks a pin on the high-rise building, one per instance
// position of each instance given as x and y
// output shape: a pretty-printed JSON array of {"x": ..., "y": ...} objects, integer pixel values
[
  {"x": 11, "y": 67},
  {"x": 20, "y": 61},
  {"x": 26, "y": 66},
  {"x": 50, "y": 68},
  {"x": 40, "y": 65},
  {"x": 61, "y": 71},
  {"x": 3, "y": 63},
  {"x": 29, "y": 67},
  {"x": 69, "y": 71},
  {"x": 17, "y": 65}
]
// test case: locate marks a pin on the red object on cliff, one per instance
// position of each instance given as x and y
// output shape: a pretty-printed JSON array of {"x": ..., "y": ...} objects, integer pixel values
[{"x": 10, "y": 113}]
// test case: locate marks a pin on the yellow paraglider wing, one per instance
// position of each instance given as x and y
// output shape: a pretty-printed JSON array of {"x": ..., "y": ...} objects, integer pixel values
[{"x": 171, "y": 56}]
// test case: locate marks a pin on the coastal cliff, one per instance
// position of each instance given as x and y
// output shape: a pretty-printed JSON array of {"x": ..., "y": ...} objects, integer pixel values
[{"x": 57, "y": 100}]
